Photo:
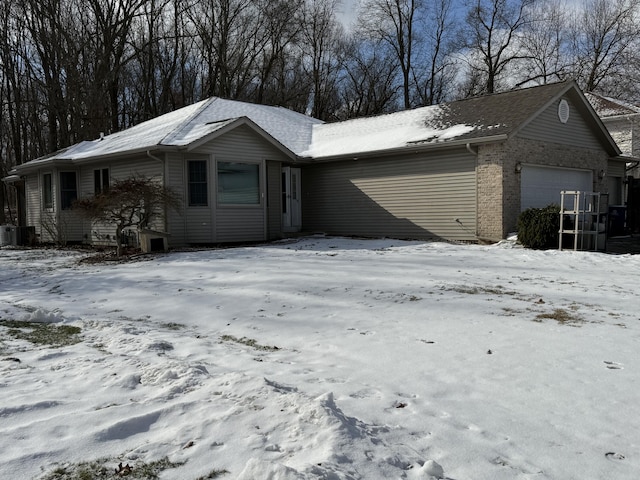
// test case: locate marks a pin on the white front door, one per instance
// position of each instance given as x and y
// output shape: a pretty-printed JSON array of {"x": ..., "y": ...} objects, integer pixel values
[{"x": 291, "y": 206}]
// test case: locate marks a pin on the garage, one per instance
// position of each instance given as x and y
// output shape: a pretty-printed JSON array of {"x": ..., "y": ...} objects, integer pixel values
[{"x": 541, "y": 186}]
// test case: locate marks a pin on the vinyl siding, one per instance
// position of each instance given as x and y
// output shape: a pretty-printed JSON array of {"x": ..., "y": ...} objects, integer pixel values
[
  {"x": 274, "y": 200},
  {"x": 52, "y": 225},
  {"x": 404, "y": 197},
  {"x": 242, "y": 223},
  {"x": 33, "y": 202},
  {"x": 197, "y": 222},
  {"x": 177, "y": 217},
  {"x": 98, "y": 233},
  {"x": 547, "y": 127},
  {"x": 616, "y": 168}
]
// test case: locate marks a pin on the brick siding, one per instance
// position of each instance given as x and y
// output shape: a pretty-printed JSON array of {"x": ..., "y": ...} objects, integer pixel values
[{"x": 499, "y": 183}]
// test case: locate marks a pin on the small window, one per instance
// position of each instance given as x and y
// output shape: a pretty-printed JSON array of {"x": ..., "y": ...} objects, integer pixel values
[
  {"x": 100, "y": 180},
  {"x": 238, "y": 183},
  {"x": 47, "y": 191},
  {"x": 68, "y": 189},
  {"x": 198, "y": 190}
]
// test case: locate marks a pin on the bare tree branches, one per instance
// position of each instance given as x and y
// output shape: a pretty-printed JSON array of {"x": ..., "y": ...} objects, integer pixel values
[
  {"x": 490, "y": 33},
  {"x": 603, "y": 33},
  {"x": 71, "y": 69}
]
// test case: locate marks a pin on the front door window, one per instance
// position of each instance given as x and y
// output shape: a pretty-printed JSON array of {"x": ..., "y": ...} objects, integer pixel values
[{"x": 291, "y": 202}]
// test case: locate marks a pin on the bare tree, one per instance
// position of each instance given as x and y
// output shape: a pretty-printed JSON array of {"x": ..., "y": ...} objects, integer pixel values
[
  {"x": 228, "y": 33},
  {"x": 544, "y": 43},
  {"x": 321, "y": 51},
  {"x": 394, "y": 23},
  {"x": 490, "y": 39},
  {"x": 369, "y": 84},
  {"x": 109, "y": 44},
  {"x": 604, "y": 32},
  {"x": 281, "y": 28},
  {"x": 434, "y": 80}
]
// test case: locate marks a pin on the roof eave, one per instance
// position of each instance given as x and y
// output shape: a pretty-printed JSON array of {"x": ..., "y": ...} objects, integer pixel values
[
  {"x": 411, "y": 148},
  {"x": 36, "y": 165},
  {"x": 625, "y": 116}
]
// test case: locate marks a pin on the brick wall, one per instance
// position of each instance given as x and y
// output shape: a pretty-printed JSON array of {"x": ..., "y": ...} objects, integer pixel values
[{"x": 499, "y": 183}]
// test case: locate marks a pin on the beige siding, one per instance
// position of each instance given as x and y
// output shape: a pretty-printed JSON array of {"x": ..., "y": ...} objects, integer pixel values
[
  {"x": 274, "y": 200},
  {"x": 235, "y": 224},
  {"x": 240, "y": 224},
  {"x": 616, "y": 168},
  {"x": 52, "y": 225},
  {"x": 96, "y": 233},
  {"x": 197, "y": 222},
  {"x": 176, "y": 180},
  {"x": 547, "y": 127},
  {"x": 33, "y": 202},
  {"x": 407, "y": 197},
  {"x": 104, "y": 234}
]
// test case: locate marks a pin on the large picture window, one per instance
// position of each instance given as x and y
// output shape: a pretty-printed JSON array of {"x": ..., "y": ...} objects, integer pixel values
[
  {"x": 68, "y": 189},
  {"x": 47, "y": 191},
  {"x": 238, "y": 183},
  {"x": 198, "y": 191}
]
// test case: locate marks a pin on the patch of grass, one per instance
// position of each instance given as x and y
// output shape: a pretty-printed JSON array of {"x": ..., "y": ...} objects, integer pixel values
[
  {"x": 249, "y": 342},
  {"x": 106, "y": 468},
  {"x": 561, "y": 316},
  {"x": 173, "y": 326},
  {"x": 42, "y": 333},
  {"x": 213, "y": 474},
  {"x": 474, "y": 290}
]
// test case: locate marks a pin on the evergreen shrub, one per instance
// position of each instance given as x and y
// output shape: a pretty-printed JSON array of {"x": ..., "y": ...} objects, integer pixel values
[{"x": 538, "y": 227}]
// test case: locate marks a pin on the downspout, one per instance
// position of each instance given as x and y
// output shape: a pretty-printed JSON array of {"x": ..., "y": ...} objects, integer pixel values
[
  {"x": 164, "y": 176},
  {"x": 475, "y": 154}
]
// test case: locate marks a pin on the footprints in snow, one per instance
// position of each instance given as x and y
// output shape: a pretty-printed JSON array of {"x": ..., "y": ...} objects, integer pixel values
[{"x": 613, "y": 365}]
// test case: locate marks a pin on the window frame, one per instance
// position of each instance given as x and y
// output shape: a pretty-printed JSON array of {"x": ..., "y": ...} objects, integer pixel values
[
  {"x": 47, "y": 191},
  {"x": 101, "y": 180},
  {"x": 221, "y": 201},
  {"x": 198, "y": 198},
  {"x": 68, "y": 195}
]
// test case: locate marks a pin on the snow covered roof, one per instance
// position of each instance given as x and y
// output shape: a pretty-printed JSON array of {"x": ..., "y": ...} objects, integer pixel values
[
  {"x": 192, "y": 123},
  {"x": 477, "y": 119},
  {"x": 382, "y": 132},
  {"x": 473, "y": 120},
  {"x": 610, "y": 107}
]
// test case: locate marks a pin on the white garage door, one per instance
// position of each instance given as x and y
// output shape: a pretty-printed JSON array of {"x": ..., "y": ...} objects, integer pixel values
[{"x": 541, "y": 186}]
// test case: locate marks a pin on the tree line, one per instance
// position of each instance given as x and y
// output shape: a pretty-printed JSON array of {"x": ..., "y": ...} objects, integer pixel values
[{"x": 73, "y": 69}]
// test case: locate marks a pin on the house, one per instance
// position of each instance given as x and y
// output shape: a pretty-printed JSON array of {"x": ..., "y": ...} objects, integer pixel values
[
  {"x": 622, "y": 119},
  {"x": 458, "y": 171},
  {"x": 623, "y": 122}
]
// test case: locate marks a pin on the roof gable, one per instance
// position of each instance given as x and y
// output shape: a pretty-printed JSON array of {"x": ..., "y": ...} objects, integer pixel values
[{"x": 610, "y": 107}]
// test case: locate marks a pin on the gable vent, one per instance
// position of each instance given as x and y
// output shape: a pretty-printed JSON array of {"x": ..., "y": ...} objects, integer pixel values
[{"x": 563, "y": 111}]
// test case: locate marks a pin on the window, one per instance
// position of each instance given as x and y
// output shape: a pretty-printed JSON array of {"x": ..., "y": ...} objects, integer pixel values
[
  {"x": 238, "y": 183},
  {"x": 198, "y": 191},
  {"x": 68, "y": 189},
  {"x": 100, "y": 180},
  {"x": 47, "y": 191}
]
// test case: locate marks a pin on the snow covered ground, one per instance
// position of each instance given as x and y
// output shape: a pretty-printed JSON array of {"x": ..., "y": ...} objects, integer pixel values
[{"x": 327, "y": 358}]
